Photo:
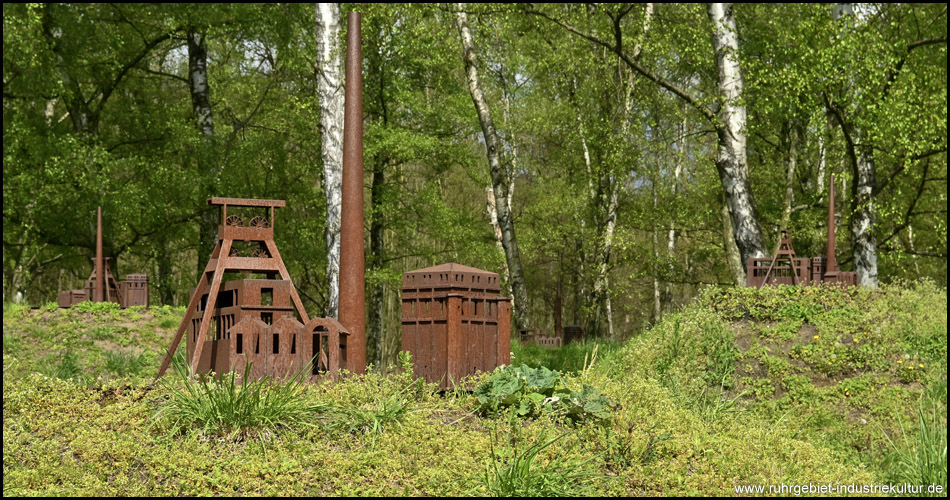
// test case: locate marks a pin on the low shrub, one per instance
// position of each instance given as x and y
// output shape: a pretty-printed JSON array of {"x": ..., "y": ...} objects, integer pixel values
[
  {"x": 517, "y": 472},
  {"x": 531, "y": 391}
]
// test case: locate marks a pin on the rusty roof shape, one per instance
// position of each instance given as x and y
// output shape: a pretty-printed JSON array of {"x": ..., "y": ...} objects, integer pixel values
[{"x": 451, "y": 267}]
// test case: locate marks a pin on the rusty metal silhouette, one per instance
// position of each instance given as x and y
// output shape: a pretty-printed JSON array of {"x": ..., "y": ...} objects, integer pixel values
[
  {"x": 261, "y": 322},
  {"x": 785, "y": 268},
  {"x": 454, "y": 322},
  {"x": 230, "y": 326},
  {"x": 102, "y": 285}
]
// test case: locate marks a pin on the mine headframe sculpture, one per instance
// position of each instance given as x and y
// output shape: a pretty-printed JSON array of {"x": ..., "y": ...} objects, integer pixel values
[
  {"x": 252, "y": 321},
  {"x": 787, "y": 269},
  {"x": 102, "y": 285}
]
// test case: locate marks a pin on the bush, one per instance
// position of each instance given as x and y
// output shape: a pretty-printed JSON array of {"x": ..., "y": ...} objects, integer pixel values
[
  {"x": 921, "y": 459},
  {"x": 531, "y": 391},
  {"x": 64, "y": 365},
  {"x": 126, "y": 364},
  {"x": 513, "y": 472},
  {"x": 96, "y": 307}
]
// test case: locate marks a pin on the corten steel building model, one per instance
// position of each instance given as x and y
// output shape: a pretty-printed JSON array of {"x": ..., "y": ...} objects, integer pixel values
[
  {"x": 259, "y": 321},
  {"x": 787, "y": 269},
  {"x": 231, "y": 324},
  {"x": 454, "y": 322},
  {"x": 102, "y": 286}
]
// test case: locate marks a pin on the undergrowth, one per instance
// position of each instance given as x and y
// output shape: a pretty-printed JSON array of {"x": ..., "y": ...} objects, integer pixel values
[{"x": 772, "y": 386}]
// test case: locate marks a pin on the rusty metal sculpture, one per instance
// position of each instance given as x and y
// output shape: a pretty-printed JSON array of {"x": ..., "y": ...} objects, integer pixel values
[
  {"x": 454, "y": 322},
  {"x": 252, "y": 321},
  {"x": 102, "y": 286},
  {"x": 787, "y": 269},
  {"x": 231, "y": 324},
  {"x": 537, "y": 336},
  {"x": 352, "y": 309}
]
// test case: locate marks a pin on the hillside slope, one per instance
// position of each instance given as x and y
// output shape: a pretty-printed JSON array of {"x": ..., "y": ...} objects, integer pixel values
[{"x": 745, "y": 387}]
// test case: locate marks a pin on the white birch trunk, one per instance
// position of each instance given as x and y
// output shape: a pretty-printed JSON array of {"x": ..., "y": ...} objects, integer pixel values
[
  {"x": 497, "y": 171},
  {"x": 200, "y": 89},
  {"x": 731, "y": 159},
  {"x": 329, "y": 72},
  {"x": 863, "y": 241},
  {"x": 733, "y": 256},
  {"x": 493, "y": 217},
  {"x": 671, "y": 236}
]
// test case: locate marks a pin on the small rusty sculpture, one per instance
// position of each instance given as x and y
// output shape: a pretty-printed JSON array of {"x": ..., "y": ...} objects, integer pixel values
[
  {"x": 102, "y": 286},
  {"x": 537, "y": 336},
  {"x": 252, "y": 321},
  {"x": 454, "y": 322},
  {"x": 787, "y": 269}
]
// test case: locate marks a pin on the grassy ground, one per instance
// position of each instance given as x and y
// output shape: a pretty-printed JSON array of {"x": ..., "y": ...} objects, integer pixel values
[{"x": 745, "y": 387}]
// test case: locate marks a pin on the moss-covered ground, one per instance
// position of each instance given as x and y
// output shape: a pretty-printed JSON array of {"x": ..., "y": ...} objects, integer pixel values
[{"x": 765, "y": 387}]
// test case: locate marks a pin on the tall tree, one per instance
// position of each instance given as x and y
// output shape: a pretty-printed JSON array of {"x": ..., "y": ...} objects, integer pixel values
[
  {"x": 727, "y": 116},
  {"x": 497, "y": 160},
  {"x": 329, "y": 73},
  {"x": 200, "y": 88}
]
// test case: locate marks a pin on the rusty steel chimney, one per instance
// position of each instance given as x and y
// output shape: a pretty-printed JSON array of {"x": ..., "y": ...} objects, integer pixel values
[
  {"x": 352, "y": 308},
  {"x": 98, "y": 294}
]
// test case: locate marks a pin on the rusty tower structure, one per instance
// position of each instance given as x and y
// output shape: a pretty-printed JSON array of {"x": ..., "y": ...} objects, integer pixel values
[
  {"x": 102, "y": 285},
  {"x": 785, "y": 268},
  {"x": 259, "y": 321},
  {"x": 262, "y": 321}
]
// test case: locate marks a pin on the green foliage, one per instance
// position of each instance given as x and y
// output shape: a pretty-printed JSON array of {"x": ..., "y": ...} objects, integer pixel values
[
  {"x": 920, "y": 458},
  {"x": 529, "y": 392},
  {"x": 126, "y": 364},
  {"x": 571, "y": 358},
  {"x": 96, "y": 308},
  {"x": 677, "y": 433},
  {"x": 64, "y": 365}
]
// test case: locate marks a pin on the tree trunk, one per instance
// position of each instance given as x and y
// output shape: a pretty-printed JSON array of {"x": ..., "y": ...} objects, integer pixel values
[
  {"x": 863, "y": 242},
  {"x": 329, "y": 74},
  {"x": 493, "y": 217},
  {"x": 791, "y": 163},
  {"x": 671, "y": 236},
  {"x": 657, "y": 305},
  {"x": 201, "y": 107},
  {"x": 731, "y": 134},
  {"x": 733, "y": 256},
  {"x": 499, "y": 178},
  {"x": 374, "y": 334}
]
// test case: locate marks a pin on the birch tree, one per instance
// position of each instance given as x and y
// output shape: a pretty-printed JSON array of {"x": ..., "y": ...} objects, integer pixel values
[
  {"x": 200, "y": 89},
  {"x": 329, "y": 75},
  {"x": 727, "y": 116},
  {"x": 497, "y": 169}
]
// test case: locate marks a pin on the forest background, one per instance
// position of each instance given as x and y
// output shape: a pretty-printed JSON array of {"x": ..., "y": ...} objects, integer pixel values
[{"x": 626, "y": 154}]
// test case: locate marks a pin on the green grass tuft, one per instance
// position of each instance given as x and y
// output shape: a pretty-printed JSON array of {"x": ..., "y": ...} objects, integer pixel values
[
  {"x": 224, "y": 408},
  {"x": 518, "y": 472}
]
